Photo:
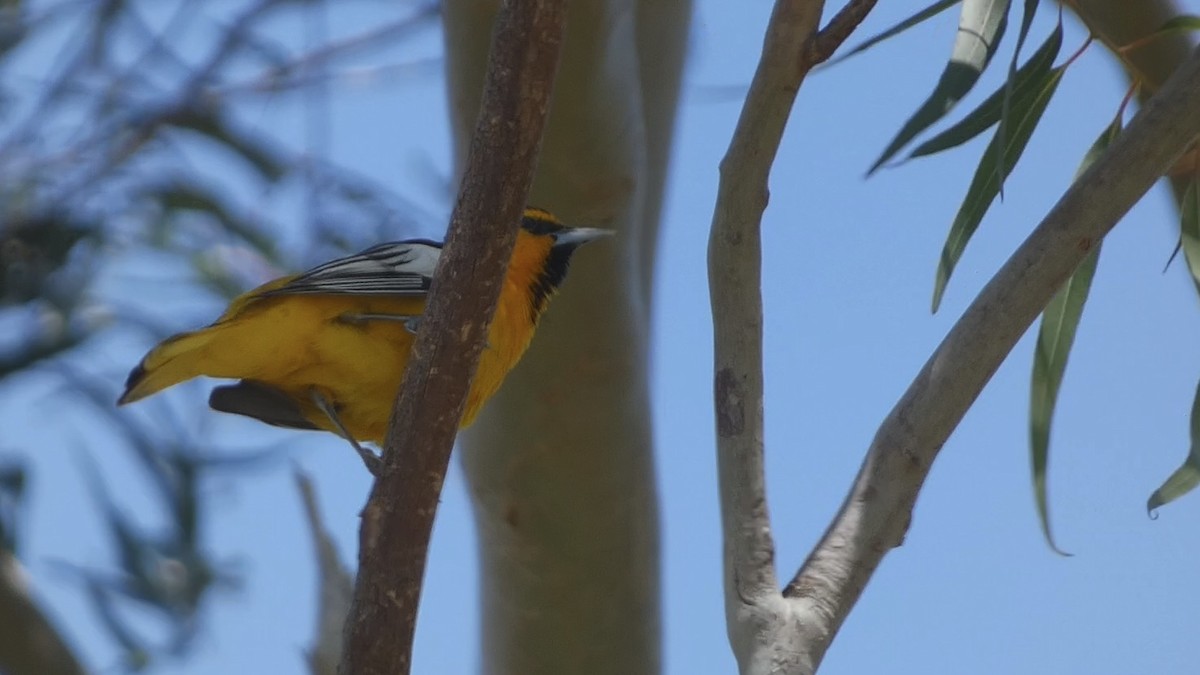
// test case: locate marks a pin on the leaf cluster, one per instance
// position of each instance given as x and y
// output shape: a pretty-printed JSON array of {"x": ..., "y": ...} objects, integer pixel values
[{"x": 1012, "y": 114}]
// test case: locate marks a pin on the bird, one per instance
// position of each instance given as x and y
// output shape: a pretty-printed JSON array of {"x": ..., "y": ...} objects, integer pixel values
[{"x": 326, "y": 349}]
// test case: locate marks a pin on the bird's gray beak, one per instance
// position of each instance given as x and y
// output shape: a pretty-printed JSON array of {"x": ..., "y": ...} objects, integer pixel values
[{"x": 580, "y": 235}]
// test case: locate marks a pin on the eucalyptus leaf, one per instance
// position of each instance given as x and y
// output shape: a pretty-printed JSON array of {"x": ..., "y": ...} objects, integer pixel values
[
  {"x": 1189, "y": 228},
  {"x": 985, "y": 185},
  {"x": 927, "y": 13},
  {"x": 1056, "y": 336},
  {"x": 1187, "y": 476},
  {"x": 1184, "y": 22},
  {"x": 1030, "y": 10},
  {"x": 1184, "y": 479},
  {"x": 1028, "y": 78},
  {"x": 980, "y": 28}
]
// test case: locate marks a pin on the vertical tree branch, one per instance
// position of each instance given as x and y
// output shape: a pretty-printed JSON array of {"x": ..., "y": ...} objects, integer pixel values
[
  {"x": 876, "y": 513},
  {"x": 755, "y": 611},
  {"x": 398, "y": 518},
  {"x": 734, "y": 274}
]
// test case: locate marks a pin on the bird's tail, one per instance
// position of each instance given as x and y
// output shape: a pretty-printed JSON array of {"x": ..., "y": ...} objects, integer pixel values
[{"x": 177, "y": 359}]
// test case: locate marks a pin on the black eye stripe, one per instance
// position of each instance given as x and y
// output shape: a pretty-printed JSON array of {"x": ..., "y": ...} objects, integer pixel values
[{"x": 537, "y": 221}]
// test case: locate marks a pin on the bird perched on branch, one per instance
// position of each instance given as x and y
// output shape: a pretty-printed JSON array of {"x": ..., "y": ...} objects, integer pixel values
[{"x": 327, "y": 348}]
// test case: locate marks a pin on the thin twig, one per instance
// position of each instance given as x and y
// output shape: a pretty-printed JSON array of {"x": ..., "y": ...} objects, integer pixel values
[
  {"x": 826, "y": 42},
  {"x": 398, "y": 518},
  {"x": 335, "y": 586}
]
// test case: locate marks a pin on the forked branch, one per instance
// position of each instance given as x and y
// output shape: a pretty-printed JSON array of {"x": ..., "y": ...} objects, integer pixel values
[
  {"x": 755, "y": 610},
  {"x": 789, "y": 631}
]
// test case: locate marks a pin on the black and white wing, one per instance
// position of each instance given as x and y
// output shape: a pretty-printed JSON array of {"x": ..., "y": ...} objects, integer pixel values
[{"x": 396, "y": 268}]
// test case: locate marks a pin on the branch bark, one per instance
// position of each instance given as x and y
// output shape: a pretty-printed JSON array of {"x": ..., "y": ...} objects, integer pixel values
[
  {"x": 398, "y": 518},
  {"x": 559, "y": 464},
  {"x": 877, "y": 511}
]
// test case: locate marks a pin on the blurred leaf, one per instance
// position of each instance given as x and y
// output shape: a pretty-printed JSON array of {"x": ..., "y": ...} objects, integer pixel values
[
  {"x": 257, "y": 153},
  {"x": 100, "y": 27},
  {"x": 163, "y": 573},
  {"x": 1187, "y": 476},
  {"x": 14, "y": 27},
  {"x": 136, "y": 654},
  {"x": 1056, "y": 336},
  {"x": 33, "y": 248},
  {"x": 175, "y": 465},
  {"x": 927, "y": 13},
  {"x": 37, "y": 352},
  {"x": 180, "y": 195},
  {"x": 1183, "y": 22},
  {"x": 1029, "y": 11},
  {"x": 13, "y": 480},
  {"x": 980, "y": 27},
  {"x": 1027, "y": 79},
  {"x": 134, "y": 553},
  {"x": 985, "y": 185},
  {"x": 146, "y": 448}
]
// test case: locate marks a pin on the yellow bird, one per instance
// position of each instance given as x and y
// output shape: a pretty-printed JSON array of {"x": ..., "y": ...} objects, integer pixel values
[{"x": 326, "y": 349}]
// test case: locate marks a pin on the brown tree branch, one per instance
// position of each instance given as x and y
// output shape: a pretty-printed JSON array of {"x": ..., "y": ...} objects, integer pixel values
[
  {"x": 29, "y": 642},
  {"x": 878, "y": 509},
  {"x": 398, "y": 517},
  {"x": 845, "y": 22}
]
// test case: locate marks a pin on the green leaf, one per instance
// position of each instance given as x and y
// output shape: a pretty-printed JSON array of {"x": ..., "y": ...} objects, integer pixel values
[
  {"x": 1187, "y": 476},
  {"x": 986, "y": 183},
  {"x": 1055, "y": 339},
  {"x": 1183, "y": 22},
  {"x": 1026, "y": 21},
  {"x": 982, "y": 118},
  {"x": 980, "y": 27},
  {"x": 927, "y": 13},
  {"x": 1189, "y": 228}
]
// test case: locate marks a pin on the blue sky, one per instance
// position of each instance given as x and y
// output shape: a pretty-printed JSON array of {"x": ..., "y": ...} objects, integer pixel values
[{"x": 848, "y": 275}]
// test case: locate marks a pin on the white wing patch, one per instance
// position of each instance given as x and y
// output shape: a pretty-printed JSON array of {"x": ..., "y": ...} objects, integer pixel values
[{"x": 398, "y": 268}]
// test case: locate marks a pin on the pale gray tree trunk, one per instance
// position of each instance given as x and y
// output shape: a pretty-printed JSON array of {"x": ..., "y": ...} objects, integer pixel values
[{"x": 560, "y": 463}]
